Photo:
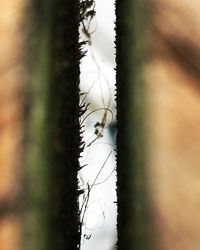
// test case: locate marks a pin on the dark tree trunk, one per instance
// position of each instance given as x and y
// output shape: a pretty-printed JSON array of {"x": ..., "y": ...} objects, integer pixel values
[
  {"x": 52, "y": 140},
  {"x": 134, "y": 209},
  {"x": 66, "y": 130}
]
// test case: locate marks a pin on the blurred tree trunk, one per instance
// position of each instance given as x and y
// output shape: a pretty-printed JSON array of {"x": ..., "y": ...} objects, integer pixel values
[
  {"x": 135, "y": 228},
  {"x": 158, "y": 102},
  {"x": 53, "y": 139},
  {"x": 40, "y": 142}
]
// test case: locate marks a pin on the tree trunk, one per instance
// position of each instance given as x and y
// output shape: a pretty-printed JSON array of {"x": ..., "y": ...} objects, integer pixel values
[
  {"x": 39, "y": 119},
  {"x": 158, "y": 124},
  {"x": 53, "y": 141},
  {"x": 135, "y": 225}
]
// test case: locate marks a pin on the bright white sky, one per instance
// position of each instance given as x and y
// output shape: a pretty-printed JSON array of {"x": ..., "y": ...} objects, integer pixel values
[{"x": 98, "y": 76}]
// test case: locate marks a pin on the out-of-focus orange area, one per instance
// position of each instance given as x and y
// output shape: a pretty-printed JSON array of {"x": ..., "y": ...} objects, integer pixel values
[
  {"x": 173, "y": 94},
  {"x": 10, "y": 233},
  {"x": 11, "y": 81}
]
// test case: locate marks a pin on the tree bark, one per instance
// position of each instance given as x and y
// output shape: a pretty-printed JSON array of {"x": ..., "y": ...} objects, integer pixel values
[
  {"x": 158, "y": 124},
  {"x": 135, "y": 224},
  {"x": 51, "y": 219}
]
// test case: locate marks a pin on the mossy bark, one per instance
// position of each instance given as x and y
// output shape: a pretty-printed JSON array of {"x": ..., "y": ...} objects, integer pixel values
[
  {"x": 134, "y": 210},
  {"x": 52, "y": 136}
]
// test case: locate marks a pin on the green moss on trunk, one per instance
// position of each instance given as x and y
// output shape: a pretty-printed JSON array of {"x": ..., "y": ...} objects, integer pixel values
[
  {"x": 37, "y": 159},
  {"x": 52, "y": 140}
]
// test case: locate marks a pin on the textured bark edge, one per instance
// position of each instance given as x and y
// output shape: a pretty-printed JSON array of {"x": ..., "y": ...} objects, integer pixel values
[
  {"x": 53, "y": 142},
  {"x": 66, "y": 141}
]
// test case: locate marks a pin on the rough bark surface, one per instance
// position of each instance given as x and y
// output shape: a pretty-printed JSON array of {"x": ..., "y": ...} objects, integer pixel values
[
  {"x": 53, "y": 138},
  {"x": 65, "y": 127},
  {"x": 39, "y": 125}
]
